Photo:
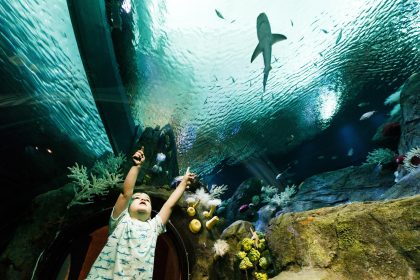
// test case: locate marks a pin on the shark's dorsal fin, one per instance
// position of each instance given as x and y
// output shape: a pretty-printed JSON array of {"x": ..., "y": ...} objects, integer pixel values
[
  {"x": 277, "y": 38},
  {"x": 256, "y": 52}
]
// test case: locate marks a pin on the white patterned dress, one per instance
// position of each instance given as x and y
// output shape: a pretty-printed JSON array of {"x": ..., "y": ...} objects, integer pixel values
[{"x": 130, "y": 250}]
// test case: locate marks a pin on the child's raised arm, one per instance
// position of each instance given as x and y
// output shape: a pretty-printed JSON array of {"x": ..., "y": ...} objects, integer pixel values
[
  {"x": 166, "y": 210},
  {"x": 129, "y": 183}
]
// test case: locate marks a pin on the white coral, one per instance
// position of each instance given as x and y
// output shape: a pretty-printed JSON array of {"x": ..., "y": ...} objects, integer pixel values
[
  {"x": 216, "y": 191},
  {"x": 267, "y": 193},
  {"x": 204, "y": 197},
  {"x": 220, "y": 247},
  {"x": 283, "y": 198}
]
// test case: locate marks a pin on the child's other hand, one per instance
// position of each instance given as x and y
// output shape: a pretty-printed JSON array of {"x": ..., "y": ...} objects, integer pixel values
[
  {"x": 138, "y": 157},
  {"x": 188, "y": 177}
]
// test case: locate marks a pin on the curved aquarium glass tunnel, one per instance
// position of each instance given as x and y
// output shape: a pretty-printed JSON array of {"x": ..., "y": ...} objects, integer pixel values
[{"x": 205, "y": 84}]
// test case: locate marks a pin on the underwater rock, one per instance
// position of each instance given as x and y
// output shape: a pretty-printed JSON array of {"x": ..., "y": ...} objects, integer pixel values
[
  {"x": 406, "y": 186},
  {"x": 354, "y": 183},
  {"x": 242, "y": 195},
  {"x": 369, "y": 240},
  {"x": 227, "y": 268},
  {"x": 410, "y": 110},
  {"x": 161, "y": 164}
]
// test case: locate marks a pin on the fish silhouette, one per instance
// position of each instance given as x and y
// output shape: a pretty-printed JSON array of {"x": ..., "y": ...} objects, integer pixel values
[{"x": 265, "y": 42}]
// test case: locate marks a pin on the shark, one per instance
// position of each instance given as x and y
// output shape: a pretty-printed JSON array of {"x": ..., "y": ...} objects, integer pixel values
[{"x": 265, "y": 42}]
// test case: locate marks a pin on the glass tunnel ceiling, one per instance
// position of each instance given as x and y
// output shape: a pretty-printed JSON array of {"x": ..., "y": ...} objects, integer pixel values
[
  {"x": 194, "y": 69},
  {"x": 193, "y": 60},
  {"x": 39, "y": 49}
]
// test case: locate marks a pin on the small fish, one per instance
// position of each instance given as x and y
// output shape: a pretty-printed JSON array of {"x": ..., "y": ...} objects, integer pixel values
[
  {"x": 350, "y": 152},
  {"x": 291, "y": 23},
  {"x": 233, "y": 21},
  {"x": 325, "y": 31},
  {"x": 334, "y": 157},
  {"x": 363, "y": 104},
  {"x": 321, "y": 157},
  {"x": 219, "y": 14},
  {"x": 243, "y": 208},
  {"x": 367, "y": 115},
  {"x": 339, "y": 37}
]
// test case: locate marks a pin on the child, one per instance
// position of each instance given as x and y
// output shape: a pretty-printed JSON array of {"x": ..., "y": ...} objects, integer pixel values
[{"x": 130, "y": 250}]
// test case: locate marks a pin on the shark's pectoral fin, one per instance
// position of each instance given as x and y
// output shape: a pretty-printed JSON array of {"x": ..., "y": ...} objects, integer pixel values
[
  {"x": 256, "y": 52},
  {"x": 277, "y": 38}
]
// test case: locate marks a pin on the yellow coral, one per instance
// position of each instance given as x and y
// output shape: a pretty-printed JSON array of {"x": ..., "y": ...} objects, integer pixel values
[
  {"x": 263, "y": 263},
  {"x": 261, "y": 245},
  {"x": 247, "y": 244},
  {"x": 241, "y": 255},
  {"x": 245, "y": 264},
  {"x": 254, "y": 255},
  {"x": 261, "y": 276}
]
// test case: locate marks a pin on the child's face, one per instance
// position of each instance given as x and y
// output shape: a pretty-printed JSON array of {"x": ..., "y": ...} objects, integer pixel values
[{"x": 141, "y": 204}]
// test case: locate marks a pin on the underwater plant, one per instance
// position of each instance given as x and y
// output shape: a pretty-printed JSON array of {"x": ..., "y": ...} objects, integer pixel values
[
  {"x": 379, "y": 156},
  {"x": 104, "y": 174},
  {"x": 412, "y": 159}
]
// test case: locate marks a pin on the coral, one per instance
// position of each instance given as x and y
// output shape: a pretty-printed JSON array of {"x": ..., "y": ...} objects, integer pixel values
[
  {"x": 261, "y": 245},
  {"x": 267, "y": 193},
  {"x": 283, "y": 198},
  {"x": 253, "y": 255},
  {"x": 380, "y": 156},
  {"x": 261, "y": 276},
  {"x": 107, "y": 175},
  {"x": 263, "y": 263},
  {"x": 112, "y": 164},
  {"x": 204, "y": 197},
  {"x": 247, "y": 244},
  {"x": 245, "y": 264},
  {"x": 241, "y": 255},
  {"x": 220, "y": 247},
  {"x": 216, "y": 191},
  {"x": 412, "y": 159}
]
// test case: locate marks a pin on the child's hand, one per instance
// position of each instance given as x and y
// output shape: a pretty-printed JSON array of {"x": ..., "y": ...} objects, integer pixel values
[
  {"x": 138, "y": 157},
  {"x": 188, "y": 177}
]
